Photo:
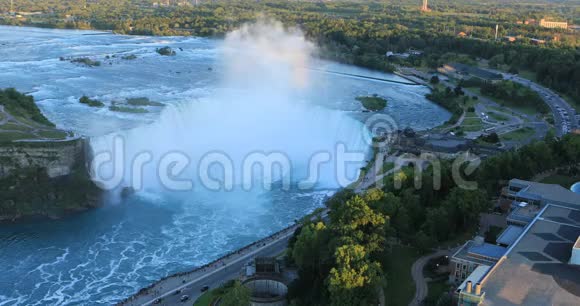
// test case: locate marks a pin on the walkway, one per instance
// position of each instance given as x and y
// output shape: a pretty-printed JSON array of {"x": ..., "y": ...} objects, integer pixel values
[
  {"x": 33, "y": 129},
  {"x": 421, "y": 286},
  {"x": 170, "y": 289}
]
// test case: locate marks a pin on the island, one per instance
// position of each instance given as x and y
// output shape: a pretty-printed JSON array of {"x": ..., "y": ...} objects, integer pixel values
[
  {"x": 91, "y": 102},
  {"x": 373, "y": 103},
  {"x": 166, "y": 51},
  {"x": 86, "y": 61}
]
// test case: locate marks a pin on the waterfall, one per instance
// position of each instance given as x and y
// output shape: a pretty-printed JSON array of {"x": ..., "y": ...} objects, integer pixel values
[{"x": 258, "y": 114}]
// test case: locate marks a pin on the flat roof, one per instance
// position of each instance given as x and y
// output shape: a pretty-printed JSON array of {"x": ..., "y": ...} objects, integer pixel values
[
  {"x": 466, "y": 253},
  {"x": 510, "y": 235},
  {"x": 549, "y": 192},
  {"x": 487, "y": 250},
  {"x": 475, "y": 276},
  {"x": 524, "y": 214},
  {"x": 535, "y": 270},
  {"x": 475, "y": 71}
]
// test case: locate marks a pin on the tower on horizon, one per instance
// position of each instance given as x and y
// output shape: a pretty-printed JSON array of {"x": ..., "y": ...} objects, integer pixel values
[{"x": 425, "y": 7}]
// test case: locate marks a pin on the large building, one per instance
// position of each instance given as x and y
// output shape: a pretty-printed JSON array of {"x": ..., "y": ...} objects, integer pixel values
[
  {"x": 462, "y": 71},
  {"x": 553, "y": 24},
  {"x": 537, "y": 257},
  {"x": 540, "y": 267}
]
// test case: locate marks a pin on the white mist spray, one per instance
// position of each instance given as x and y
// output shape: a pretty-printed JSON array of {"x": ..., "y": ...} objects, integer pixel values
[{"x": 258, "y": 109}]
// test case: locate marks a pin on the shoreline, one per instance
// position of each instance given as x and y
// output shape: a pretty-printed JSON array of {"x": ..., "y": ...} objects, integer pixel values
[{"x": 222, "y": 262}]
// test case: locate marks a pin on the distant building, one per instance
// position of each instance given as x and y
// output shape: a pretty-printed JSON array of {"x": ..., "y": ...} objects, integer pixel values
[
  {"x": 574, "y": 28},
  {"x": 462, "y": 71},
  {"x": 553, "y": 24},
  {"x": 536, "y": 41},
  {"x": 405, "y": 54}
]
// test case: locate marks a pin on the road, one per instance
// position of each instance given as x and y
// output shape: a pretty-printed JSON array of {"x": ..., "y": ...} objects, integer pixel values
[
  {"x": 213, "y": 276},
  {"x": 421, "y": 286},
  {"x": 170, "y": 290},
  {"x": 564, "y": 114}
]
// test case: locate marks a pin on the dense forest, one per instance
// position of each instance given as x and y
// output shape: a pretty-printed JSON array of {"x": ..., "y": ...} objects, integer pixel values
[{"x": 357, "y": 32}]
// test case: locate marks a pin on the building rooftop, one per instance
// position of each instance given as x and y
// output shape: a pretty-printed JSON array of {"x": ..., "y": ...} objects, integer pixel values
[
  {"x": 475, "y": 276},
  {"x": 551, "y": 193},
  {"x": 487, "y": 250},
  {"x": 480, "y": 253},
  {"x": 477, "y": 72},
  {"x": 535, "y": 270},
  {"x": 510, "y": 235}
]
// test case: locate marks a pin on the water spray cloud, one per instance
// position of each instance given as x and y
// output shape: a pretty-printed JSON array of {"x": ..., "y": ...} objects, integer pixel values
[{"x": 258, "y": 111}]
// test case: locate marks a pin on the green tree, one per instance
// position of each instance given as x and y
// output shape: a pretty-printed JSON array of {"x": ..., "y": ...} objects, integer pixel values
[
  {"x": 354, "y": 278},
  {"x": 237, "y": 295},
  {"x": 357, "y": 223}
]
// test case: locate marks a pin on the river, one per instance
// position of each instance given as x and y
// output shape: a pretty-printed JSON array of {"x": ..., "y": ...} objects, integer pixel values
[{"x": 104, "y": 255}]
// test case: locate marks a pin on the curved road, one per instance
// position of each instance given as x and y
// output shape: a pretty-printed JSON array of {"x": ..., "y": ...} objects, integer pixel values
[{"x": 421, "y": 286}]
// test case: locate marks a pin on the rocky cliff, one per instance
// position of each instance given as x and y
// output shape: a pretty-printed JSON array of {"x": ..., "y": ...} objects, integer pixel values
[{"x": 44, "y": 179}]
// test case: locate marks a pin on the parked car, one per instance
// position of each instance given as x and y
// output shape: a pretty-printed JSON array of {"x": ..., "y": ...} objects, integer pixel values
[
  {"x": 184, "y": 298},
  {"x": 204, "y": 288}
]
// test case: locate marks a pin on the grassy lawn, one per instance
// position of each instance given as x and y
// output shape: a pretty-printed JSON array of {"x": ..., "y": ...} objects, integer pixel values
[
  {"x": 53, "y": 134},
  {"x": 505, "y": 103},
  {"x": 563, "y": 180},
  {"x": 436, "y": 290},
  {"x": 518, "y": 135},
  {"x": 14, "y": 127},
  {"x": 205, "y": 298},
  {"x": 497, "y": 116},
  {"x": 11, "y": 136},
  {"x": 400, "y": 287},
  {"x": 472, "y": 124}
]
